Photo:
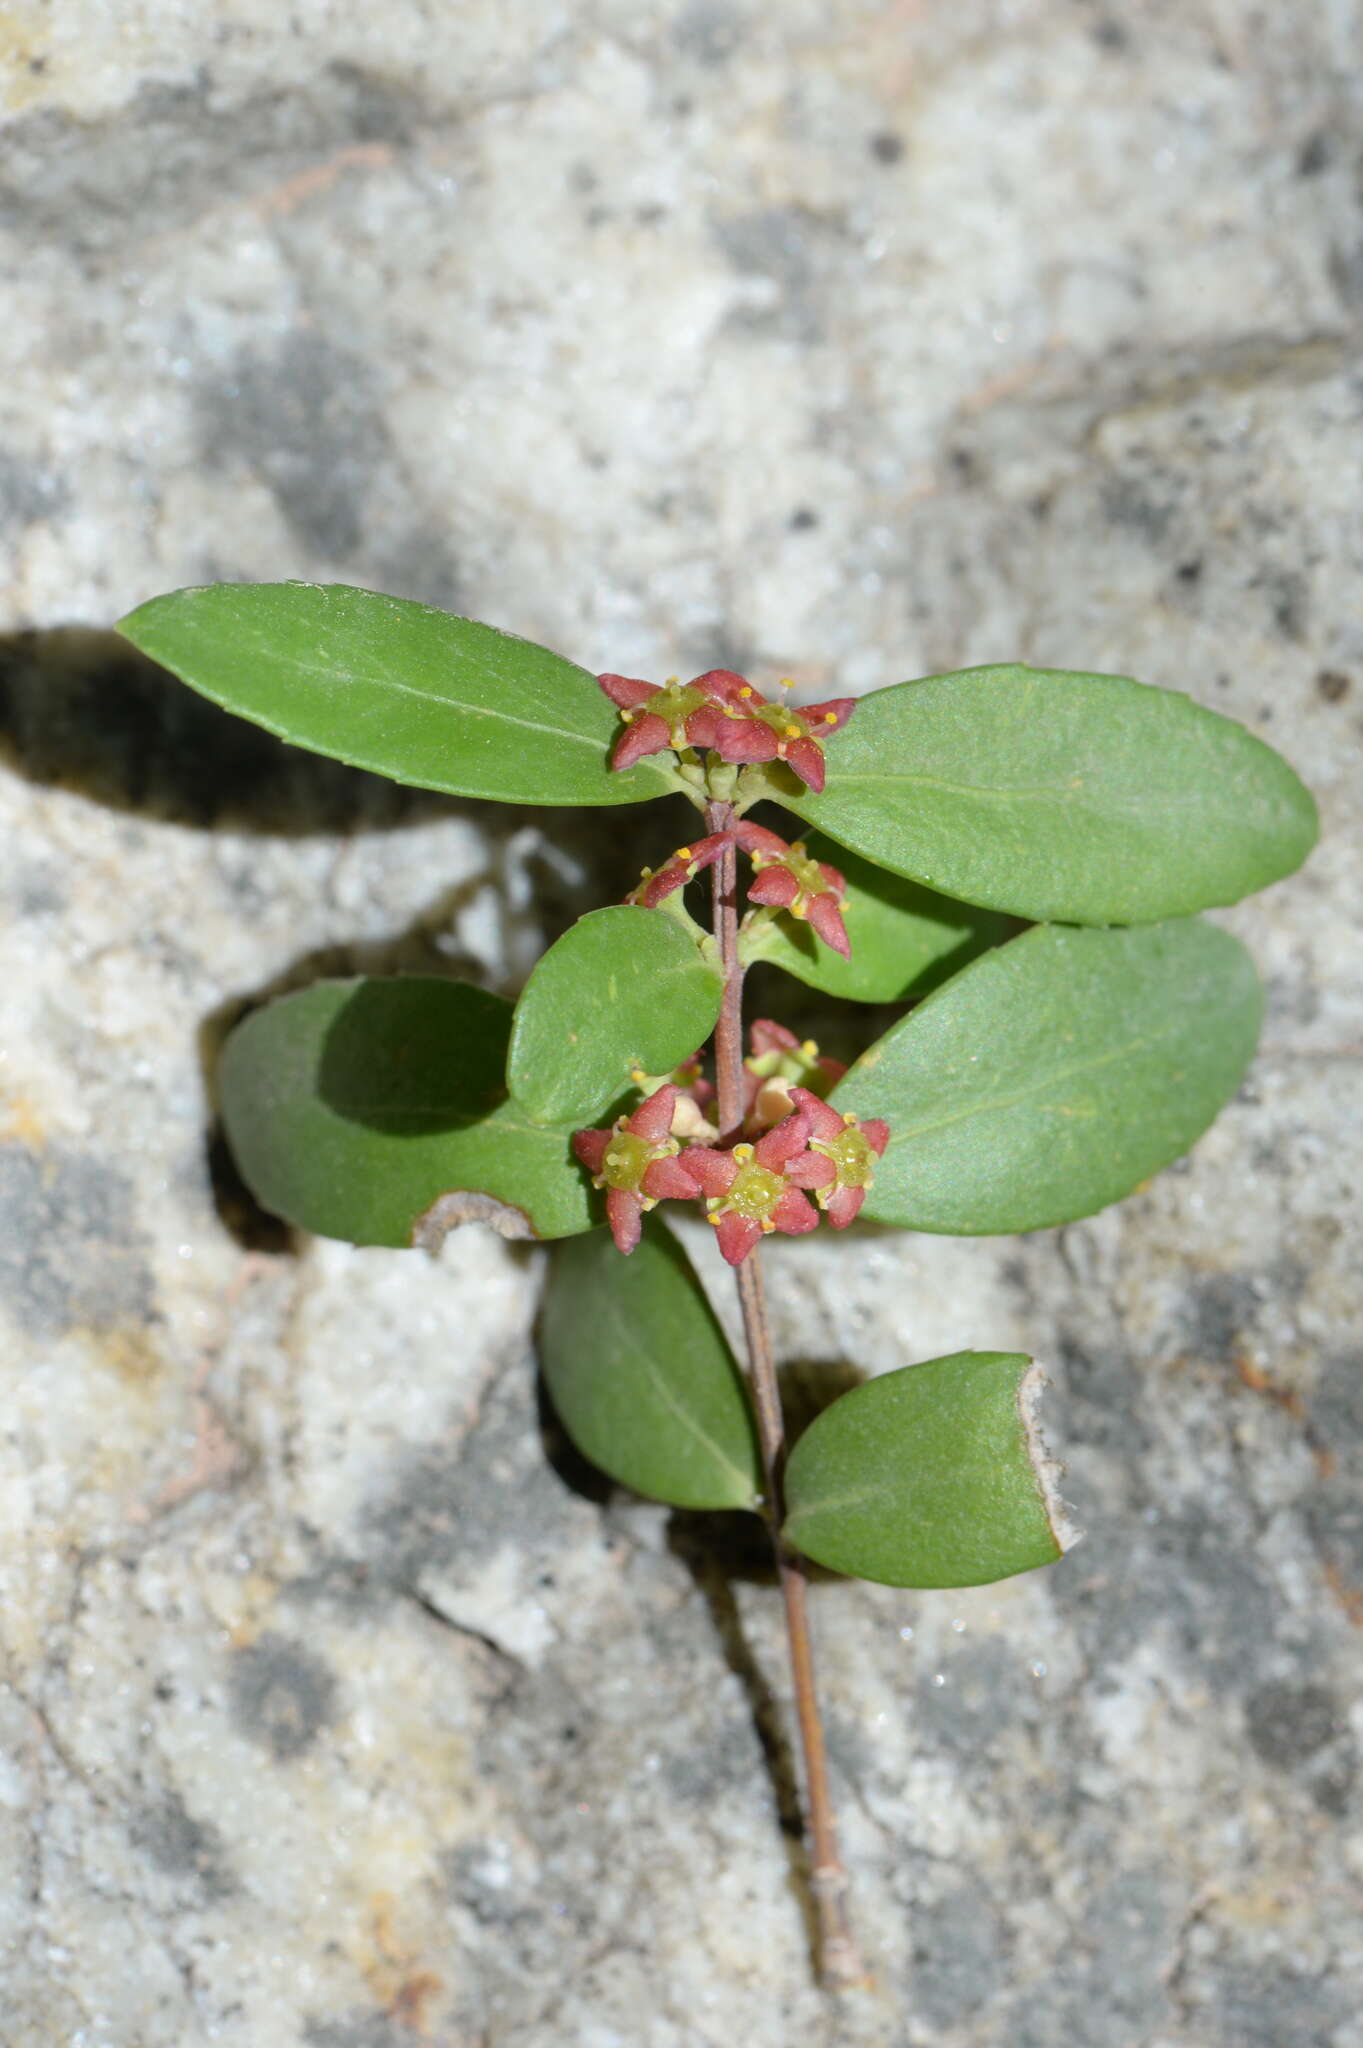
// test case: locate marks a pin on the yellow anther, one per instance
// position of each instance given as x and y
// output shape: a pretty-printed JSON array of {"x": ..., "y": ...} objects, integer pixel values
[
  {"x": 627, "y": 718},
  {"x": 849, "y": 1118},
  {"x": 786, "y": 683},
  {"x": 792, "y": 732},
  {"x": 767, "y": 1226},
  {"x": 685, "y": 853},
  {"x": 809, "y": 1050},
  {"x": 830, "y": 718},
  {"x": 797, "y": 908},
  {"x": 710, "y": 1215},
  {"x": 673, "y": 679},
  {"x": 672, "y": 1147},
  {"x": 746, "y": 691},
  {"x": 648, "y": 1202},
  {"x": 742, "y": 1153}
]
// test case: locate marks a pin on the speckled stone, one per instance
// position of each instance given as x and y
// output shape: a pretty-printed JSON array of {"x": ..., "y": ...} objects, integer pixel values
[{"x": 342, "y": 1707}]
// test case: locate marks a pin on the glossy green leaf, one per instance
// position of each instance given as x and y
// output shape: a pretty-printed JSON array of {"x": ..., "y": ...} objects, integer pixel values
[
  {"x": 905, "y": 939},
  {"x": 642, "y": 1376},
  {"x": 934, "y": 1475},
  {"x": 1055, "y": 1074},
  {"x": 1084, "y": 798},
  {"x": 623, "y": 989},
  {"x": 415, "y": 693},
  {"x": 354, "y": 1106}
]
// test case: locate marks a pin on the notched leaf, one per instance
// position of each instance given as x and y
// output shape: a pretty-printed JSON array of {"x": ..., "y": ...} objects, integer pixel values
[
  {"x": 1048, "y": 1469},
  {"x": 460, "y": 1205}
]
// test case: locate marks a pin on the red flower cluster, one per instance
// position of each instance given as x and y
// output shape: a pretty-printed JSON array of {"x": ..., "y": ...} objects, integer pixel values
[
  {"x": 786, "y": 879},
  {"x": 749, "y": 1189},
  {"x": 721, "y": 713}
]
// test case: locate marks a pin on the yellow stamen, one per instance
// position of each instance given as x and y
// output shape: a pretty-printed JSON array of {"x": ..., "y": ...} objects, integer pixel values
[
  {"x": 830, "y": 718},
  {"x": 786, "y": 683},
  {"x": 792, "y": 732},
  {"x": 746, "y": 691},
  {"x": 648, "y": 1201},
  {"x": 742, "y": 1153},
  {"x": 809, "y": 1049},
  {"x": 685, "y": 853},
  {"x": 673, "y": 679},
  {"x": 848, "y": 1118},
  {"x": 767, "y": 1226},
  {"x": 627, "y": 717}
]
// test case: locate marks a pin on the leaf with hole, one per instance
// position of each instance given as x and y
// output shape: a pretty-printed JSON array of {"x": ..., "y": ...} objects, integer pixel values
[
  {"x": 1054, "y": 1075},
  {"x": 641, "y": 1373},
  {"x": 353, "y": 1107},
  {"x": 623, "y": 990},
  {"x": 401, "y": 688},
  {"x": 905, "y": 939},
  {"x": 933, "y": 1475},
  {"x": 1088, "y": 799}
]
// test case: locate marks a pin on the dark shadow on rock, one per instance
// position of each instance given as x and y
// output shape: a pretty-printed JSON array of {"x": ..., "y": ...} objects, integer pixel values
[
  {"x": 82, "y": 709},
  {"x": 717, "y": 1550},
  {"x": 563, "y": 1457}
]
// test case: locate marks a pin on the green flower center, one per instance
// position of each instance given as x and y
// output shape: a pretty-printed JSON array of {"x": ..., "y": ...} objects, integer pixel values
[
  {"x": 852, "y": 1155},
  {"x": 627, "y": 1160},
  {"x": 755, "y": 1192},
  {"x": 675, "y": 702}
]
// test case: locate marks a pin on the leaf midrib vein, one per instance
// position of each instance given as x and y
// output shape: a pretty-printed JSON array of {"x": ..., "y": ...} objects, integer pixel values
[{"x": 670, "y": 1401}]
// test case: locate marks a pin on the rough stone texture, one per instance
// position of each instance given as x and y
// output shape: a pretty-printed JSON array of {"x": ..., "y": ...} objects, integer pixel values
[{"x": 848, "y": 341}]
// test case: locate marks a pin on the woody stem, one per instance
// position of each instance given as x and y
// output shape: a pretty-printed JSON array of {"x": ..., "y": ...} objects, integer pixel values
[{"x": 838, "y": 1960}]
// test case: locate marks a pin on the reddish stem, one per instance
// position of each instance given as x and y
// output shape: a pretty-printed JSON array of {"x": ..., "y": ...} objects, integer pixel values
[{"x": 838, "y": 1960}]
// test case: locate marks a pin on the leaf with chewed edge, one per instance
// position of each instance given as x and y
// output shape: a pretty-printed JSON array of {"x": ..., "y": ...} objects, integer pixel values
[
  {"x": 354, "y": 1107},
  {"x": 933, "y": 1475}
]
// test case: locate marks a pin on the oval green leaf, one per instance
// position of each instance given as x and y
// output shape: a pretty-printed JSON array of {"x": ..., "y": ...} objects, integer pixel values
[
  {"x": 623, "y": 989},
  {"x": 1089, "y": 799},
  {"x": 1054, "y": 1075},
  {"x": 905, "y": 939},
  {"x": 404, "y": 689},
  {"x": 353, "y": 1107},
  {"x": 934, "y": 1475},
  {"x": 642, "y": 1376}
]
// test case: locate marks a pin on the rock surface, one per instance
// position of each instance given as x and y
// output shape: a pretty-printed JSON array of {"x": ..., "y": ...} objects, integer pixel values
[{"x": 341, "y": 1709}]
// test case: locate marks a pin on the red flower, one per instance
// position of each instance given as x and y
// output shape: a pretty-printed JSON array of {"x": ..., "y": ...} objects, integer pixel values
[
  {"x": 721, "y": 712},
  {"x": 788, "y": 879},
  {"x": 635, "y": 1161},
  {"x": 849, "y": 1149},
  {"x": 755, "y": 1189},
  {"x": 676, "y": 715},
  {"x": 681, "y": 867}
]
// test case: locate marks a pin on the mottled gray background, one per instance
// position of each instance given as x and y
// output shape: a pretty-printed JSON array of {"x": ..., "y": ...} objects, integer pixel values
[{"x": 848, "y": 340}]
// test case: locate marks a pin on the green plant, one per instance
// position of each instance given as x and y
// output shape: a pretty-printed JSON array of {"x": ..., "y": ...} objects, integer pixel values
[{"x": 1032, "y": 1078}]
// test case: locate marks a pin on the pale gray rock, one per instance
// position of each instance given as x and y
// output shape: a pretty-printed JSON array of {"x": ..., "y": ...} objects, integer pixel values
[{"x": 342, "y": 1706}]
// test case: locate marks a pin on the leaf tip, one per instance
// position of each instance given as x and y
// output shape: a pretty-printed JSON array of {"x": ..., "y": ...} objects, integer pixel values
[{"x": 1048, "y": 1470}]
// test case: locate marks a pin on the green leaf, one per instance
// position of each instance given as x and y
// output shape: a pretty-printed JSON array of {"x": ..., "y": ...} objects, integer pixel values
[
  {"x": 642, "y": 1376},
  {"x": 934, "y": 1475},
  {"x": 382, "y": 683},
  {"x": 1055, "y": 1074},
  {"x": 623, "y": 989},
  {"x": 1088, "y": 799},
  {"x": 354, "y": 1106},
  {"x": 904, "y": 938}
]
